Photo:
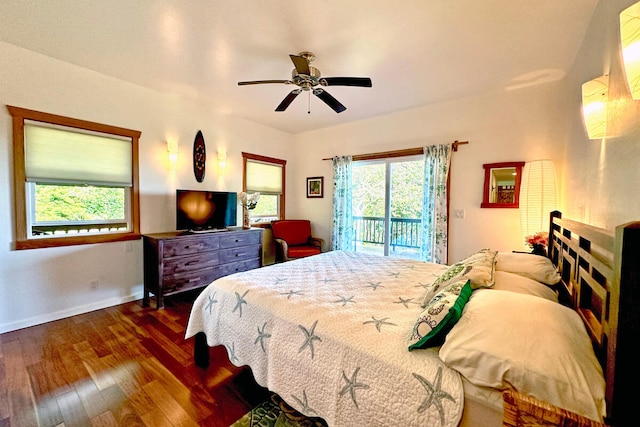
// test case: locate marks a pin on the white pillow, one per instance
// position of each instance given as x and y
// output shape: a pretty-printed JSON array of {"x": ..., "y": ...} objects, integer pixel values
[
  {"x": 535, "y": 267},
  {"x": 505, "y": 281},
  {"x": 537, "y": 347}
]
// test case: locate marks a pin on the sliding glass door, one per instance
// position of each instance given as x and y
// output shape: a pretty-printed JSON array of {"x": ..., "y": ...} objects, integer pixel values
[{"x": 387, "y": 206}]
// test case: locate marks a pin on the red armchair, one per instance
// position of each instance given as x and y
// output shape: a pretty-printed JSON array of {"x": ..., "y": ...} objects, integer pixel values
[{"x": 293, "y": 239}]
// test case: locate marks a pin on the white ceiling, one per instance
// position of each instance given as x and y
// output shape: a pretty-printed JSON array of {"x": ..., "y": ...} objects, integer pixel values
[{"x": 416, "y": 52}]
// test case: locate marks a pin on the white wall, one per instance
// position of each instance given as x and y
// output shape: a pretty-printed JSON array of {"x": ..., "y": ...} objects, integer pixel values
[
  {"x": 602, "y": 176},
  {"x": 39, "y": 285}
]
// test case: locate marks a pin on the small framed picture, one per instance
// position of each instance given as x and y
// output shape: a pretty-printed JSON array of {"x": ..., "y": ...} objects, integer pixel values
[{"x": 315, "y": 186}]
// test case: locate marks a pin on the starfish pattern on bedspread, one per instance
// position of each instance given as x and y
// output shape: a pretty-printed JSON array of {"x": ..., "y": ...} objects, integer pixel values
[
  {"x": 434, "y": 394},
  {"x": 351, "y": 385},
  {"x": 262, "y": 335},
  {"x": 344, "y": 300},
  {"x": 379, "y": 322},
  {"x": 291, "y": 293},
  {"x": 310, "y": 336},
  {"x": 232, "y": 352},
  {"x": 239, "y": 301},
  {"x": 375, "y": 285},
  {"x": 405, "y": 301},
  {"x": 304, "y": 404},
  {"x": 211, "y": 300}
]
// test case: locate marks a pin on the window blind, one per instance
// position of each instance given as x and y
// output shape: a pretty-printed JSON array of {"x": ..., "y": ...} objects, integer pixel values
[
  {"x": 264, "y": 177},
  {"x": 64, "y": 155}
]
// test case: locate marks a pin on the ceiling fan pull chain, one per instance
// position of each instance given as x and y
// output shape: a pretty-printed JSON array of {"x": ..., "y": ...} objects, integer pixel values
[{"x": 309, "y": 102}]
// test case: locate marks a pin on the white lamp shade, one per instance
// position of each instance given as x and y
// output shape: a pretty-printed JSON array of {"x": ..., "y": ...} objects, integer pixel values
[
  {"x": 537, "y": 196},
  {"x": 630, "y": 41},
  {"x": 594, "y": 106}
]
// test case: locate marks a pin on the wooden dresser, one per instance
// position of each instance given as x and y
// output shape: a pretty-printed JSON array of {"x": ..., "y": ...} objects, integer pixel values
[{"x": 176, "y": 262}]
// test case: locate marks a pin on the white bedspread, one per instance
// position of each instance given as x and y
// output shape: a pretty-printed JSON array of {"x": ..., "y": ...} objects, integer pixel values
[{"x": 329, "y": 334}]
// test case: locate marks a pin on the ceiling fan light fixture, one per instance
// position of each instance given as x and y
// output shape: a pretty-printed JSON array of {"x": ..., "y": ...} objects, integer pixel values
[{"x": 307, "y": 78}]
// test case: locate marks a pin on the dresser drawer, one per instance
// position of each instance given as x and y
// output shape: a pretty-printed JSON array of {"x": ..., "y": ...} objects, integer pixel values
[
  {"x": 236, "y": 267},
  {"x": 188, "y": 246},
  {"x": 190, "y": 263},
  {"x": 191, "y": 280},
  {"x": 239, "y": 239},
  {"x": 239, "y": 253}
]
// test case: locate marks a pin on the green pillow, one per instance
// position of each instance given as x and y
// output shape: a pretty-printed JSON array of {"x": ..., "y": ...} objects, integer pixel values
[{"x": 440, "y": 314}]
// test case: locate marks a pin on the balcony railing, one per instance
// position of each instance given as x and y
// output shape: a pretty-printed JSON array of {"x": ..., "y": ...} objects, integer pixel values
[{"x": 405, "y": 232}]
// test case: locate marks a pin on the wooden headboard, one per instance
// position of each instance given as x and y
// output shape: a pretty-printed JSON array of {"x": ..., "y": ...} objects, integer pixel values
[{"x": 600, "y": 272}]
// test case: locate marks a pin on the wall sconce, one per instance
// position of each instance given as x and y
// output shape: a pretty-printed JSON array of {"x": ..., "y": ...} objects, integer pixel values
[
  {"x": 630, "y": 41},
  {"x": 595, "y": 95},
  {"x": 172, "y": 149},
  {"x": 537, "y": 196},
  {"x": 222, "y": 159}
]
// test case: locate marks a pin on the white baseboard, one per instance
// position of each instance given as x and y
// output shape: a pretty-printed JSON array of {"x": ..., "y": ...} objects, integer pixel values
[{"x": 50, "y": 317}]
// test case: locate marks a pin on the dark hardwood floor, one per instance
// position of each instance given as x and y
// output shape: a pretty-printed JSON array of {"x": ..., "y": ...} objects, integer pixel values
[{"x": 120, "y": 366}]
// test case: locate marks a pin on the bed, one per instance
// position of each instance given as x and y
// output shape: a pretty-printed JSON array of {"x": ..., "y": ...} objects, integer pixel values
[{"x": 359, "y": 339}]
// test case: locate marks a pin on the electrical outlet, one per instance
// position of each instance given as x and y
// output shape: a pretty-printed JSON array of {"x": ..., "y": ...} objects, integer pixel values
[{"x": 458, "y": 213}]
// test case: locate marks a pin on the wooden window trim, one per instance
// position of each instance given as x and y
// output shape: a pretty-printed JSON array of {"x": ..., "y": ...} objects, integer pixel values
[
  {"x": 19, "y": 115},
  {"x": 259, "y": 158}
]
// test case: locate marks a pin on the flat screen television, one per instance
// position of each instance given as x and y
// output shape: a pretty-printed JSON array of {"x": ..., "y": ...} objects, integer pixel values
[{"x": 201, "y": 211}]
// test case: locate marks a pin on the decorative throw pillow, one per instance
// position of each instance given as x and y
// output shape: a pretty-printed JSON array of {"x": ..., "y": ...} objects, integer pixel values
[
  {"x": 439, "y": 316},
  {"x": 534, "y": 267},
  {"x": 478, "y": 268},
  {"x": 538, "y": 347}
]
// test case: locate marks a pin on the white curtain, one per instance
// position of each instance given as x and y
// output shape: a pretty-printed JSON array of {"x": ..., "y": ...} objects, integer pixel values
[
  {"x": 437, "y": 159},
  {"x": 342, "y": 236}
]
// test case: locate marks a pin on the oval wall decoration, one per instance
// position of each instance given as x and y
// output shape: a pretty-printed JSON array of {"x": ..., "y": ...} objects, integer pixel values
[{"x": 199, "y": 157}]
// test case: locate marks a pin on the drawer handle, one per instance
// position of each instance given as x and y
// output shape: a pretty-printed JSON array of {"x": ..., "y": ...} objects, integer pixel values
[
  {"x": 195, "y": 279},
  {"x": 237, "y": 254},
  {"x": 237, "y": 240},
  {"x": 192, "y": 263}
]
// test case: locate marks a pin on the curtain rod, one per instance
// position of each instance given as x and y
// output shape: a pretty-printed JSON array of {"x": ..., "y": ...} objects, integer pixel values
[{"x": 397, "y": 153}]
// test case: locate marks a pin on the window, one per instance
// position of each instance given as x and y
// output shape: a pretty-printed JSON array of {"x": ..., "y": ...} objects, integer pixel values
[
  {"x": 266, "y": 176},
  {"x": 75, "y": 182}
]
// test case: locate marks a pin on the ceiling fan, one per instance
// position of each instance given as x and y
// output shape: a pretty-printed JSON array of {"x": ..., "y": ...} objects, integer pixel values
[{"x": 307, "y": 78}]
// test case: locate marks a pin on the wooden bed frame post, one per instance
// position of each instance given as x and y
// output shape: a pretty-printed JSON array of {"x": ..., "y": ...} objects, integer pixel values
[
  {"x": 627, "y": 274},
  {"x": 201, "y": 350}
]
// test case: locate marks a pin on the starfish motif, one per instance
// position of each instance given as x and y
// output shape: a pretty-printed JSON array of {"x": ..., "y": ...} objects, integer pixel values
[
  {"x": 404, "y": 301},
  {"x": 373, "y": 285},
  {"x": 239, "y": 301},
  {"x": 310, "y": 336},
  {"x": 394, "y": 275},
  {"x": 306, "y": 409},
  {"x": 291, "y": 293},
  {"x": 212, "y": 300},
  {"x": 232, "y": 352},
  {"x": 325, "y": 280},
  {"x": 279, "y": 280},
  {"x": 423, "y": 285},
  {"x": 351, "y": 385},
  {"x": 262, "y": 335},
  {"x": 345, "y": 300},
  {"x": 379, "y": 322},
  {"x": 434, "y": 394}
]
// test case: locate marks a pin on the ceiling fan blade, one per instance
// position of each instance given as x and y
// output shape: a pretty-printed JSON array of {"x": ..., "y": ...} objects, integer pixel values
[
  {"x": 346, "y": 81},
  {"x": 259, "y": 82},
  {"x": 288, "y": 100},
  {"x": 301, "y": 64},
  {"x": 329, "y": 100}
]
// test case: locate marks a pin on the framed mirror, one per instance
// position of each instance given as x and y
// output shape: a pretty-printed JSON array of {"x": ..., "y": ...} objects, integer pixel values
[{"x": 502, "y": 184}]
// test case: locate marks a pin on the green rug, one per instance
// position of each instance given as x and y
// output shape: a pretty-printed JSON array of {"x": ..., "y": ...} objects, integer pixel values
[{"x": 275, "y": 412}]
